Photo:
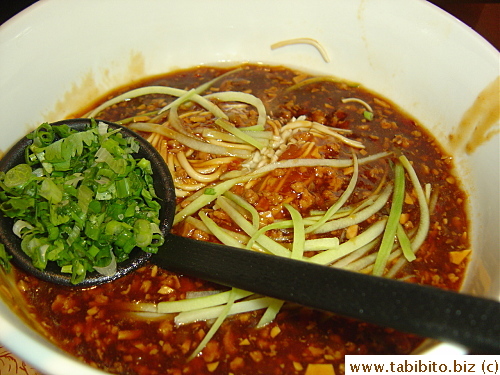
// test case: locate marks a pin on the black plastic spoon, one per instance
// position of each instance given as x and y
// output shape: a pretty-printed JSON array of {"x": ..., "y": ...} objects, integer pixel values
[{"x": 426, "y": 311}]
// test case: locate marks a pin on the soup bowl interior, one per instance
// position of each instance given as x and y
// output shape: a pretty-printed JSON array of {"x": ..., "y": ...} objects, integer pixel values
[{"x": 59, "y": 56}]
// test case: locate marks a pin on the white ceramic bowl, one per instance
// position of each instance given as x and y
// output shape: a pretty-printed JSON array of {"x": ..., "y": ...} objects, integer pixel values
[{"x": 59, "y": 55}]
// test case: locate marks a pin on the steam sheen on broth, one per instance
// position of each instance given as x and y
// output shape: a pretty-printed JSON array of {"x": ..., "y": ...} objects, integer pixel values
[{"x": 273, "y": 160}]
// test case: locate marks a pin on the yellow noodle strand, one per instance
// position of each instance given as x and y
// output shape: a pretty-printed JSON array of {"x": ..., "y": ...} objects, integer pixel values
[{"x": 194, "y": 174}]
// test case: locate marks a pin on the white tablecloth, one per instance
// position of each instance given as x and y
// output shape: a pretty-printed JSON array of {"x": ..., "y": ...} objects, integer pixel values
[{"x": 12, "y": 365}]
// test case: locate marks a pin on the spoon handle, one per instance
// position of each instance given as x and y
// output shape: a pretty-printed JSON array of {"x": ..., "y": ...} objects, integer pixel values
[{"x": 426, "y": 311}]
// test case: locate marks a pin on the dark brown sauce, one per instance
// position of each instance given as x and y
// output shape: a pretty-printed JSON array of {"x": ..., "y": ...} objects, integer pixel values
[
  {"x": 90, "y": 86},
  {"x": 477, "y": 124},
  {"x": 92, "y": 325}
]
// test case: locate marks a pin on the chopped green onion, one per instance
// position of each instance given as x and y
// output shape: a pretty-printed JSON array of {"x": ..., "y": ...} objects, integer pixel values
[
  {"x": 93, "y": 202},
  {"x": 4, "y": 258},
  {"x": 19, "y": 225},
  {"x": 78, "y": 271},
  {"x": 51, "y": 191},
  {"x": 67, "y": 268},
  {"x": 143, "y": 233},
  {"x": 209, "y": 191},
  {"x": 44, "y": 135},
  {"x": 368, "y": 115},
  {"x": 18, "y": 176}
]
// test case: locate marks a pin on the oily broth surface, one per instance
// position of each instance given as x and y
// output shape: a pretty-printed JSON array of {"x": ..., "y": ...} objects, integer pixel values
[{"x": 96, "y": 325}]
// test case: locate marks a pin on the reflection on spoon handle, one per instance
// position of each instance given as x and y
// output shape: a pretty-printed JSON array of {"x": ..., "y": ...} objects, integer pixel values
[{"x": 426, "y": 311}]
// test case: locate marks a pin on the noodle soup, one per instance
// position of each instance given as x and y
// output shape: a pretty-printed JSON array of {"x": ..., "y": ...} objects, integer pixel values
[{"x": 279, "y": 161}]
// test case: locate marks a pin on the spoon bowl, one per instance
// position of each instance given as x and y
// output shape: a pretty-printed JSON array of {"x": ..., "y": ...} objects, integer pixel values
[
  {"x": 163, "y": 185},
  {"x": 418, "y": 309}
]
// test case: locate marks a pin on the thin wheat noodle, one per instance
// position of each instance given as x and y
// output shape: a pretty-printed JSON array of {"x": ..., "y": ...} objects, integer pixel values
[
  {"x": 356, "y": 100},
  {"x": 171, "y": 162},
  {"x": 309, "y": 124},
  {"x": 310, "y": 41},
  {"x": 163, "y": 149},
  {"x": 189, "y": 187},
  {"x": 346, "y": 140},
  {"x": 274, "y": 124},
  {"x": 281, "y": 182},
  {"x": 181, "y": 193},
  {"x": 204, "y": 170},
  {"x": 151, "y": 138},
  {"x": 199, "y": 113},
  {"x": 307, "y": 149},
  {"x": 181, "y": 157},
  {"x": 215, "y": 161}
]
